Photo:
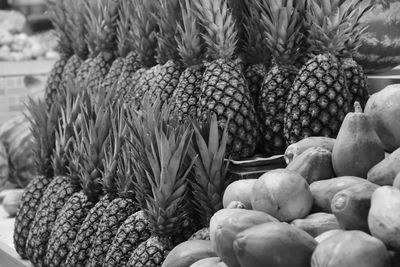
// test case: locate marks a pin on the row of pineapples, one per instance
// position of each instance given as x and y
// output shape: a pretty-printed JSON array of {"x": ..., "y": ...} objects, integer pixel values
[{"x": 125, "y": 177}]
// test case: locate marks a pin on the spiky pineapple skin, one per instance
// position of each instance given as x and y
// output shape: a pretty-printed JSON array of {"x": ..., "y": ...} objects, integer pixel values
[
  {"x": 184, "y": 99},
  {"x": 224, "y": 92},
  {"x": 271, "y": 108},
  {"x": 83, "y": 72},
  {"x": 54, "y": 80},
  {"x": 202, "y": 234},
  {"x": 114, "y": 215},
  {"x": 146, "y": 80},
  {"x": 79, "y": 254},
  {"x": 254, "y": 75},
  {"x": 26, "y": 212},
  {"x": 66, "y": 227},
  {"x": 318, "y": 100},
  {"x": 356, "y": 81},
  {"x": 113, "y": 73},
  {"x": 44, "y": 217},
  {"x": 98, "y": 70},
  {"x": 133, "y": 231},
  {"x": 127, "y": 75},
  {"x": 70, "y": 70},
  {"x": 151, "y": 253}
]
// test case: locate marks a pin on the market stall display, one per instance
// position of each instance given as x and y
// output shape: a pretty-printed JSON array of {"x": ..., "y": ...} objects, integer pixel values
[{"x": 153, "y": 104}]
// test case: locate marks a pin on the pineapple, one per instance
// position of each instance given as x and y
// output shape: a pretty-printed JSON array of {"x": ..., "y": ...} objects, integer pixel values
[
  {"x": 102, "y": 35},
  {"x": 91, "y": 145},
  {"x": 282, "y": 26},
  {"x": 47, "y": 211},
  {"x": 223, "y": 89},
  {"x": 166, "y": 208},
  {"x": 319, "y": 98},
  {"x": 116, "y": 212},
  {"x": 210, "y": 170},
  {"x": 78, "y": 33},
  {"x": 161, "y": 80},
  {"x": 60, "y": 12},
  {"x": 123, "y": 45},
  {"x": 183, "y": 102},
  {"x": 43, "y": 127},
  {"x": 256, "y": 52},
  {"x": 82, "y": 245}
]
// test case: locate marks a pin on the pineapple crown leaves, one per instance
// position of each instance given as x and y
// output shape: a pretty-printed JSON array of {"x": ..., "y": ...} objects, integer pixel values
[
  {"x": 254, "y": 44},
  {"x": 60, "y": 14},
  {"x": 210, "y": 167},
  {"x": 123, "y": 28},
  {"x": 336, "y": 28},
  {"x": 283, "y": 24},
  {"x": 190, "y": 43},
  {"x": 65, "y": 133},
  {"x": 78, "y": 27},
  {"x": 143, "y": 33},
  {"x": 167, "y": 157},
  {"x": 220, "y": 33},
  {"x": 167, "y": 16},
  {"x": 43, "y": 126},
  {"x": 101, "y": 23}
]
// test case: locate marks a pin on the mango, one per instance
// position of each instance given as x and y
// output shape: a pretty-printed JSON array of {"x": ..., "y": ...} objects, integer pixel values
[
  {"x": 384, "y": 216},
  {"x": 385, "y": 171},
  {"x": 327, "y": 234},
  {"x": 239, "y": 190},
  {"x": 296, "y": 149},
  {"x": 283, "y": 194},
  {"x": 209, "y": 262},
  {"x": 324, "y": 191},
  {"x": 351, "y": 206},
  {"x": 189, "y": 252},
  {"x": 274, "y": 244},
  {"x": 357, "y": 148},
  {"x": 351, "y": 249},
  {"x": 317, "y": 223},
  {"x": 313, "y": 164},
  {"x": 226, "y": 223}
]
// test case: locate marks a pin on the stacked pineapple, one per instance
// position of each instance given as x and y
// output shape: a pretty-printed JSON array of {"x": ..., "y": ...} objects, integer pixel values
[{"x": 157, "y": 94}]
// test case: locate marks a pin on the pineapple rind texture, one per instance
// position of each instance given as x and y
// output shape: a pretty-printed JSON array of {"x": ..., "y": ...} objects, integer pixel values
[
  {"x": 113, "y": 73},
  {"x": 254, "y": 75},
  {"x": 79, "y": 254},
  {"x": 83, "y": 71},
  {"x": 113, "y": 217},
  {"x": 185, "y": 97},
  {"x": 318, "y": 100},
  {"x": 225, "y": 93},
  {"x": 151, "y": 253},
  {"x": 65, "y": 229},
  {"x": 142, "y": 87},
  {"x": 100, "y": 67},
  {"x": 43, "y": 222},
  {"x": 70, "y": 71},
  {"x": 271, "y": 108},
  {"x": 356, "y": 82},
  {"x": 54, "y": 80},
  {"x": 127, "y": 77},
  {"x": 133, "y": 231},
  {"x": 26, "y": 212},
  {"x": 202, "y": 234}
]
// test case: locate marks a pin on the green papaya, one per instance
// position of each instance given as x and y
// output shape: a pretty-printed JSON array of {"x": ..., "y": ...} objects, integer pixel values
[
  {"x": 351, "y": 249},
  {"x": 189, "y": 252},
  {"x": 327, "y": 234},
  {"x": 317, "y": 223},
  {"x": 385, "y": 171},
  {"x": 209, "y": 262},
  {"x": 296, "y": 149},
  {"x": 274, "y": 244}
]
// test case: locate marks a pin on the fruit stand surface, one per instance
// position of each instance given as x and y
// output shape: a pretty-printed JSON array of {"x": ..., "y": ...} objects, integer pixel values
[{"x": 8, "y": 255}]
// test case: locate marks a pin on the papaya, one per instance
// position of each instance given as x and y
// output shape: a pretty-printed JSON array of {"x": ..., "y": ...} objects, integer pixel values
[
  {"x": 239, "y": 190},
  {"x": 313, "y": 164},
  {"x": 11, "y": 200},
  {"x": 317, "y": 223},
  {"x": 188, "y": 252},
  {"x": 209, "y": 262},
  {"x": 226, "y": 223},
  {"x": 385, "y": 171},
  {"x": 323, "y": 191},
  {"x": 350, "y": 249},
  {"x": 396, "y": 182},
  {"x": 274, "y": 244},
  {"x": 296, "y": 149},
  {"x": 327, "y": 234},
  {"x": 384, "y": 216},
  {"x": 357, "y": 148},
  {"x": 351, "y": 206},
  {"x": 384, "y": 110},
  {"x": 283, "y": 194}
]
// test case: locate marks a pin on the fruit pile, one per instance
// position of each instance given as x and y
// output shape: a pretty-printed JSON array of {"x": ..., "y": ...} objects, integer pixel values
[{"x": 149, "y": 99}]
